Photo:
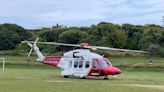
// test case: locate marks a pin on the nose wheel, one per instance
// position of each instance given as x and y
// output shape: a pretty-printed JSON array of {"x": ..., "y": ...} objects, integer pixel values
[{"x": 105, "y": 77}]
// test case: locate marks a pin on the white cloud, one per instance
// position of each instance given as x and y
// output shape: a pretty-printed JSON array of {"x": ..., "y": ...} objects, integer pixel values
[{"x": 32, "y": 13}]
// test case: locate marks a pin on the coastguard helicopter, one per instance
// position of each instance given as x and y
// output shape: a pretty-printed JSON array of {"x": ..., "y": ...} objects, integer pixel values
[{"x": 79, "y": 62}]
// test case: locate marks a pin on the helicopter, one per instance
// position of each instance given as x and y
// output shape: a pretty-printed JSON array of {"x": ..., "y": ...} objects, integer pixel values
[{"x": 80, "y": 63}]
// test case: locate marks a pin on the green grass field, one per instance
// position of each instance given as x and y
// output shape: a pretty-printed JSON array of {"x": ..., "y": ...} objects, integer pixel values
[{"x": 28, "y": 76}]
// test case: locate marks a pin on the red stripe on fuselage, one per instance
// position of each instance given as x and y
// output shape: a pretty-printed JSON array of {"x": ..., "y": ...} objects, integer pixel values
[{"x": 52, "y": 60}]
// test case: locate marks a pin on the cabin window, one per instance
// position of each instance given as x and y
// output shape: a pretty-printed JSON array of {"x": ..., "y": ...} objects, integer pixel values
[
  {"x": 87, "y": 64},
  {"x": 75, "y": 64},
  {"x": 70, "y": 64},
  {"x": 80, "y": 64}
]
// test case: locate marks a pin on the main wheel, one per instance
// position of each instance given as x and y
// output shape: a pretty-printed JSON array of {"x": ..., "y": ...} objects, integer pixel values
[
  {"x": 83, "y": 77},
  {"x": 105, "y": 77},
  {"x": 66, "y": 76}
]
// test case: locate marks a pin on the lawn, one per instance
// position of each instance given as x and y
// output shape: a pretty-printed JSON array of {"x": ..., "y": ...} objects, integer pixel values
[{"x": 28, "y": 76}]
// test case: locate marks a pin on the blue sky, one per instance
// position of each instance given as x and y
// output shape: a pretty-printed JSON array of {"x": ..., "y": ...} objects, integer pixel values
[{"x": 44, "y": 13}]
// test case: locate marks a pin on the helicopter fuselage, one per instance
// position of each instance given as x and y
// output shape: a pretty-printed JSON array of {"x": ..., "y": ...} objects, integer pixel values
[{"x": 82, "y": 63}]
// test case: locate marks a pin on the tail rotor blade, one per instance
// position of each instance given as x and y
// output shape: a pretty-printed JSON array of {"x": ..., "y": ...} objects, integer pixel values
[
  {"x": 32, "y": 46},
  {"x": 36, "y": 40},
  {"x": 30, "y": 52},
  {"x": 30, "y": 49}
]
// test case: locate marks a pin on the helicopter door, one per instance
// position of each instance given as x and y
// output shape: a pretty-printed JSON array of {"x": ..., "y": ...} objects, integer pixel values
[
  {"x": 95, "y": 68},
  {"x": 78, "y": 68},
  {"x": 67, "y": 68}
]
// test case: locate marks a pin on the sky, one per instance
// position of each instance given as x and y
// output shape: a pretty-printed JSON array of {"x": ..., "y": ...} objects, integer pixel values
[{"x": 46, "y": 13}]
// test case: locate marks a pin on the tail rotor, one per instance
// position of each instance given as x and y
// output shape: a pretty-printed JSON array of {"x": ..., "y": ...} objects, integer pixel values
[{"x": 32, "y": 46}]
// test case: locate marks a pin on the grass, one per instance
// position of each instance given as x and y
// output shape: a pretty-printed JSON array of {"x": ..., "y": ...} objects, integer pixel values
[
  {"x": 25, "y": 76},
  {"x": 137, "y": 62}
]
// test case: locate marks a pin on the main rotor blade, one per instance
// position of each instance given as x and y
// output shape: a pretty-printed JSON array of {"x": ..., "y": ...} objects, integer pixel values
[
  {"x": 36, "y": 40},
  {"x": 116, "y": 49},
  {"x": 54, "y": 43},
  {"x": 89, "y": 47},
  {"x": 29, "y": 44}
]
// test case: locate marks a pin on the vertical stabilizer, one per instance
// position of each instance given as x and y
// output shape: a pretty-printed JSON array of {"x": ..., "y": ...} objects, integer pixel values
[
  {"x": 36, "y": 49},
  {"x": 38, "y": 53}
]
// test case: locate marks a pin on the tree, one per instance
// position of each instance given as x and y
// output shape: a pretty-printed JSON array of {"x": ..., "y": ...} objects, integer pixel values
[
  {"x": 117, "y": 38},
  {"x": 152, "y": 51},
  {"x": 8, "y": 40},
  {"x": 73, "y": 36},
  {"x": 23, "y": 34},
  {"x": 105, "y": 27},
  {"x": 161, "y": 39},
  {"x": 150, "y": 36},
  {"x": 131, "y": 29},
  {"x": 50, "y": 35},
  {"x": 97, "y": 33},
  {"x": 161, "y": 52},
  {"x": 11, "y": 35},
  {"x": 133, "y": 41}
]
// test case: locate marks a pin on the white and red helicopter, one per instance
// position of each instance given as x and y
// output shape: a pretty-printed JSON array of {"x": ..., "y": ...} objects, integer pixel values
[{"x": 79, "y": 62}]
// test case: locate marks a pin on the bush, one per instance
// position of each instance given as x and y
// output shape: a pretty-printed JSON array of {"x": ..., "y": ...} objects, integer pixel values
[{"x": 161, "y": 52}]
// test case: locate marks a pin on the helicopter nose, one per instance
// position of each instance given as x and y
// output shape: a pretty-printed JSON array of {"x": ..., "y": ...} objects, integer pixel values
[
  {"x": 111, "y": 70},
  {"x": 117, "y": 70}
]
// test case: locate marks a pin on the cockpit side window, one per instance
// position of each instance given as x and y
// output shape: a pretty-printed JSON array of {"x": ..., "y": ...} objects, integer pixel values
[
  {"x": 108, "y": 62},
  {"x": 103, "y": 64}
]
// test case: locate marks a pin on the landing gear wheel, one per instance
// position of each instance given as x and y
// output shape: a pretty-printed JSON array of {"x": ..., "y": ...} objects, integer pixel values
[
  {"x": 66, "y": 76},
  {"x": 105, "y": 77},
  {"x": 83, "y": 77}
]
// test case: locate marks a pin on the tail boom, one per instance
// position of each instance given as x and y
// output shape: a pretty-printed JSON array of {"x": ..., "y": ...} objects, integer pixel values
[{"x": 52, "y": 60}]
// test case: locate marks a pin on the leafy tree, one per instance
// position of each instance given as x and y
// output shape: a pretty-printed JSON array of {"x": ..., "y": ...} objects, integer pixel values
[
  {"x": 103, "y": 34},
  {"x": 161, "y": 52},
  {"x": 72, "y": 36},
  {"x": 8, "y": 40},
  {"x": 23, "y": 34},
  {"x": 134, "y": 40},
  {"x": 150, "y": 36},
  {"x": 104, "y": 28},
  {"x": 98, "y": 33},
  {"x": 11, "y": 35},
  {"x": 93, "y": 36},
  {"x": 161, "y": 39},
  {"x": 131, "y": 29},
  {"x": 117, "y": 38},
  {"x": 152, "y": 51},
  {"x": 50, "y": 35}
]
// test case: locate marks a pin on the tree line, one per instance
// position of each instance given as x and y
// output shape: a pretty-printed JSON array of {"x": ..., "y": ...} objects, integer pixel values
[{"x": 148, "y": 37}]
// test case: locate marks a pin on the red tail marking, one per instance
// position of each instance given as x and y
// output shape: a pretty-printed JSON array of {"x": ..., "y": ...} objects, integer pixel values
[{"x": 52, "y": 60}]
